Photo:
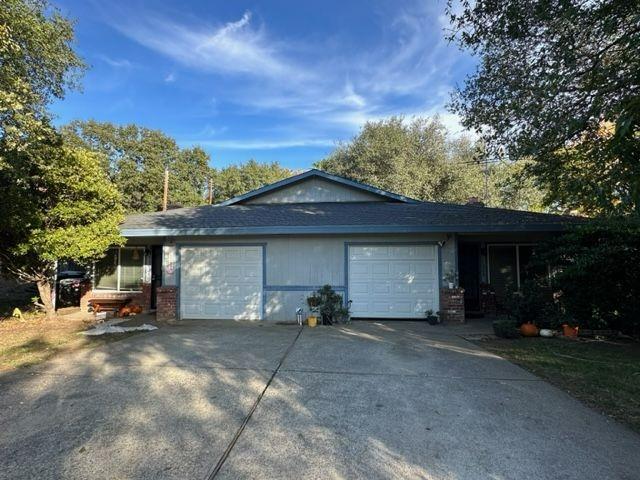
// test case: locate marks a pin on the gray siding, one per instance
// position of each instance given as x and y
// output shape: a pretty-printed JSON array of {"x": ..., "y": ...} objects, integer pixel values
[
  {"x": 316, "y": 190},
  {"x": 296, "y": 265}
]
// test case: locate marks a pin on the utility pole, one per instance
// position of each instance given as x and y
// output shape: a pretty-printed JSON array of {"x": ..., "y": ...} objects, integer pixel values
[
  {"x": 165, "y": 197},
  {"x": 210, "y": 191}
]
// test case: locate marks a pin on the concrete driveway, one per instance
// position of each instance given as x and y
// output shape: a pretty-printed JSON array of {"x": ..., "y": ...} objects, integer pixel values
[{"x": 235, "y": 400}]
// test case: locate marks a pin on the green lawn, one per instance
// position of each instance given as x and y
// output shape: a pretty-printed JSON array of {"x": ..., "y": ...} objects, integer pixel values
[{"x": 603, "y": 374}]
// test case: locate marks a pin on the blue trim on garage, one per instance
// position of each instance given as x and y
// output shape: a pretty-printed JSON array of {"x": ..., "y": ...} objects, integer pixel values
[
  {"x": 427, "y": 242},
  {"x": 205, "y": 245}
]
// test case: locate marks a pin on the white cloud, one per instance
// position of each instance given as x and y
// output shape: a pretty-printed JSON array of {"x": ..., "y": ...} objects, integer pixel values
[
  {"x": 115, "y": 62},
  {"x": 232, "y": 48},
  {"x": 326, "y": 88}
]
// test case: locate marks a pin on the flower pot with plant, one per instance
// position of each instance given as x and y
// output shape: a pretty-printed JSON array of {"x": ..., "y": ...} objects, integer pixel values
[
  {"x": 328, "y": 306},
  {"x": 450, "y": 279},
  {"x": 569, "y": 331},
  {"x": 313, "y": 301},
  {"x": 432, "y": 318}
]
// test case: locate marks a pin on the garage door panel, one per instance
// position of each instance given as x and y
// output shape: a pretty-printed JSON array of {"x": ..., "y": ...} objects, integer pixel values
[
  {"x": 358, "y": 287},
  {"x": 219, "y": 282},
  {"x": 393, "y": 281}
]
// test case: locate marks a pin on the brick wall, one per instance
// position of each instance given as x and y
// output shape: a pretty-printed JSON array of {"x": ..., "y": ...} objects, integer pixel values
[
  {"x": 452, "y": 305},
  {"x": 167, "y": 303},
  {"x": 142, "y": 298}
]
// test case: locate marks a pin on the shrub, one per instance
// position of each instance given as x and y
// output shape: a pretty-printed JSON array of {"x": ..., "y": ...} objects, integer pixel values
[
  {"x": 535, "y": 302},
  {"x": 596, "y": 274},
  {"x": 505, "y": 329},
  {"x": 330, "y": 305}
]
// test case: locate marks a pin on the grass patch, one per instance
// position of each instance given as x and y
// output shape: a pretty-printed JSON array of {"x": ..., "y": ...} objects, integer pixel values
[
  {"x": 603, "y": 374},
  {"x": 35, "y": 340}
]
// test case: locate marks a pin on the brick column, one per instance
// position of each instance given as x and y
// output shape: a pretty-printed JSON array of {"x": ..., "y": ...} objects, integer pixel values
[
  {"x": 85, "y": 295},
  {"x": 452, "y": 305},
  {"x": 145, "y": 297},
  {"x": 166, "y": 303}
]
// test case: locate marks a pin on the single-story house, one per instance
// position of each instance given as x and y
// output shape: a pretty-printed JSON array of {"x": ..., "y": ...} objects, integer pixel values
[{"x": 259, "y": 255}]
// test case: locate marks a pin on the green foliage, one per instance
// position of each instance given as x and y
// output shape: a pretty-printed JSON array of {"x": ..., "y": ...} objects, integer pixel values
[
  {"x": 551, "y": 75},
  {"x": 57, "y": 204},
  {"x": 505, "y": 329},
  {"x": 135, "y": 158},
  {"x": 419, "y": 159},
  {"x": 596, "y": 274},
  {"x": 37, "y": 65},
  {"x": 329, "y": 304},
  {"x": 535, "y": 303},
  {"x": 238, "y": 179}
]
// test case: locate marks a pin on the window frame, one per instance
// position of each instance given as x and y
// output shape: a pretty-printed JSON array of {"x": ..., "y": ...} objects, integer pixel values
[
  {"x": 118, "y": 270},
  {"x": 517, "y": 247}
]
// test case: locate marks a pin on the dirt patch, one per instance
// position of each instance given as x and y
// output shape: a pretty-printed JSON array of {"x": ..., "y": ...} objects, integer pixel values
[{"x": 34, "y": 340}]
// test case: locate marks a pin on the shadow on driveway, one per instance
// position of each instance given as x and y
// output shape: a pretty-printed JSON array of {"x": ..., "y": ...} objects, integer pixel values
[{"x": 366, "y": 400}]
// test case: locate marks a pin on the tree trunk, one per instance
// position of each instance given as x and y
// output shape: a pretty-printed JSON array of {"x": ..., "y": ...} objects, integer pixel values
[{"x": 45, "y": 289}]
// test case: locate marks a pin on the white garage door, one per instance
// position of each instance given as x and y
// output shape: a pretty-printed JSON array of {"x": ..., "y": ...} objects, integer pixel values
[
  {"x": 221, "y": 282},
  {"x": 394, "y": 281}
]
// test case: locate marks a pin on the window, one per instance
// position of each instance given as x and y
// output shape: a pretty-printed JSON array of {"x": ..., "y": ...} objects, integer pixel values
[
  {"x": 510, "y": 265},
  {"x": 121, "y": 270}
]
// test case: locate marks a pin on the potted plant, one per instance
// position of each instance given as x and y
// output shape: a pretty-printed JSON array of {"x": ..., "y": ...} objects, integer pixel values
[
  {"x": 450, "y": 279},
  {"x": 432, "y": 318},
  {"x": 505, "y": 328},
  {"x": 313, "y": 301},
  {"x": 569, "y": 331},
  {"x": 328, "y": 305}
]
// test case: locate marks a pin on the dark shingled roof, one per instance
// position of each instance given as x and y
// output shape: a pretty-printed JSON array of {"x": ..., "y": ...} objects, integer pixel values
[{"x": 360, "y": 217}]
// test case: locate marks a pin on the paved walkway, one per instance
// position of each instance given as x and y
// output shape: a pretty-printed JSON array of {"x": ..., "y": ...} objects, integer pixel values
[{"x": 235, "y": 400}]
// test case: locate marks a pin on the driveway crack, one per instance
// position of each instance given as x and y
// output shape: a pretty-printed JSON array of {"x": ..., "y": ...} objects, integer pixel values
[{"x": 218, "y": 466}]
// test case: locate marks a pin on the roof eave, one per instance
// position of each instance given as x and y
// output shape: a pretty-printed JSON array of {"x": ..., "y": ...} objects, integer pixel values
[{"x": 339, "y": 229}]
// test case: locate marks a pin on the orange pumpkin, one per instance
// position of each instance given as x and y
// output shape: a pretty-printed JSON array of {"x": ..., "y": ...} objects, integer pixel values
[
  {"x": 529, "y": 330},
  {"x": 136, "y": 309},
  {"x": 124, "y": 311}
]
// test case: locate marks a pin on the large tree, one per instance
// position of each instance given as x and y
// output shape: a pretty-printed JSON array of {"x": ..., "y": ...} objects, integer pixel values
[
  {"x": 57, "y": 204},
  {"x": 420, "y": 159},
  {"x": 56, "y": 201},
  {"x": 135, "y": 157},
  {"x": 238, "y": 179},
  {"x": 552, "y": 75},
  {"x": 37, "y": 64}
]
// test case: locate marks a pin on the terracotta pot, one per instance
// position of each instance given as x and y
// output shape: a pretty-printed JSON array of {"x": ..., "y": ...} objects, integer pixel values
[
  {"x": 569, "y": 331},
  {"x": 529, "y": 330}
]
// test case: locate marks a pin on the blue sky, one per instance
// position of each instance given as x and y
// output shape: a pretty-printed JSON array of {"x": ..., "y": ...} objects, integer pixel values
[{"x": 271, "y": 80}]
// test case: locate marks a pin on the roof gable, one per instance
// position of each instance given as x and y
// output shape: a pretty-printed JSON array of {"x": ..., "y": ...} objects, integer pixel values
[{"x": 315, "y": 186}]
